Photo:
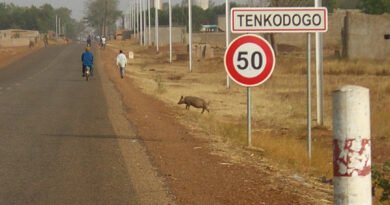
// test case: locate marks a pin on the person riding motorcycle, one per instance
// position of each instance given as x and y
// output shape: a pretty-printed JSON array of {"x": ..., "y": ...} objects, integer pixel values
[
  {"x": 87, "y": 60},
  {"x": 89, "y": 41}
]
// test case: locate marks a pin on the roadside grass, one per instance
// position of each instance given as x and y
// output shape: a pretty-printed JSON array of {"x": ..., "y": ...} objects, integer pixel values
[
  {"x": 291, "y": 152},
  {"x": 160, "y": 87},
  {"x": 279, "y": 105}
]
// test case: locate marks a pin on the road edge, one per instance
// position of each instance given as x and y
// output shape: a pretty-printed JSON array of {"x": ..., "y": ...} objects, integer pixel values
[{"x": 149, "y": 186}]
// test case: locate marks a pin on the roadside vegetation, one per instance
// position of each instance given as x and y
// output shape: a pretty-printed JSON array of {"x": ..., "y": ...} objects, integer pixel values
[
  {"x": 102, "y": 15},
  {"x": 279, "y": 107},
  {"x": 40, "y": 18}
]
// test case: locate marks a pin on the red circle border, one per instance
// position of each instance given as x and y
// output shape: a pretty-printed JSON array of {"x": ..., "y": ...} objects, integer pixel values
[{"x": 268, "y": 69}]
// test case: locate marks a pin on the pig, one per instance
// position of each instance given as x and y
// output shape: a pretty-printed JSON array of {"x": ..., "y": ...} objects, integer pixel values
[{"x": 194, "y": 101}]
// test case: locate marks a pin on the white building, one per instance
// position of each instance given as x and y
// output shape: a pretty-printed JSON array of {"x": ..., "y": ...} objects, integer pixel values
[{"x": 204, "y": 4}]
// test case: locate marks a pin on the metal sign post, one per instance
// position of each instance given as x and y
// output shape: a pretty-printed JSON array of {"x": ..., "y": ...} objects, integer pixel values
[
  {"x": 227, "y": 32},
  {"x": 249, "y": 116},
  {"x": 285, "y": 20},
  {"x": 309, "y": 96},
  {"x": 249, "y": 61}
]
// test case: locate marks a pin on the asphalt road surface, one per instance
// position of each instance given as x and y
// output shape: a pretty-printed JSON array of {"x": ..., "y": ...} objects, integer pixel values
[{"x": 58, "y": 143}]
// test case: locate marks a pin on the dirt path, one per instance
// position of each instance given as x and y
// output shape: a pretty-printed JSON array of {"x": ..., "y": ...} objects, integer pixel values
[
  {"x": 195, "y": 175},
  {"x": 9, "y": 55},
  {"x": 12, "y": 54}
]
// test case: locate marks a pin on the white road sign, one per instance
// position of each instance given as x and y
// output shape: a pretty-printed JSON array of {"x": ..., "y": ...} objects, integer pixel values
[{"x": 279, "y": 20}]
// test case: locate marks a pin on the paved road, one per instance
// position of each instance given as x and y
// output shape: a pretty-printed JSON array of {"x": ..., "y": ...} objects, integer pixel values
[{"x": 57, "y": 144}]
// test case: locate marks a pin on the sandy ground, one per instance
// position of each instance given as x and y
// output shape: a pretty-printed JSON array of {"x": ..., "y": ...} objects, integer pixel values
[
  {"x": 12, "y": 54},
  {"x": 9, "y": 55},
  {"x": 279, "y": 112},
  {"x": 201, "y": 169}
]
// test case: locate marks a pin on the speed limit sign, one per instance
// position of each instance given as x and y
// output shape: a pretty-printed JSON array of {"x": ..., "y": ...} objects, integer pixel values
[{"x": 249, "y": 60}]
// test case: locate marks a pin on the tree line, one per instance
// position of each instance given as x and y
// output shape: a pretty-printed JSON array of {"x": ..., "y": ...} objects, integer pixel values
[
  {"x": 199, "y": 16},
  {"x": 375, "y": 6},
  {"x": 102, "y": 15},
  {"x": 40, "y": 18}
]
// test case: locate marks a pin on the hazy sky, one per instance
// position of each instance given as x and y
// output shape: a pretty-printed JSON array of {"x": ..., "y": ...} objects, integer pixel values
[{"x": 77, "y": 6}]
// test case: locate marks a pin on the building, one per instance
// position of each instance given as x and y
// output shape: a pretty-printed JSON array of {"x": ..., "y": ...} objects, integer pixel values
[
  {"x": 204, "y": 4},
  {"x": 18, "y": 37}
]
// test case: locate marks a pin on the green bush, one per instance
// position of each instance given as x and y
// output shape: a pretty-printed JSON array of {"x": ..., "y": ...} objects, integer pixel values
[{"x": 379, "y": 179}]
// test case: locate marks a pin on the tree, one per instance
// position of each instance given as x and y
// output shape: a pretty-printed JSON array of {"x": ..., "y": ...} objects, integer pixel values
[
  {"x": 33, "y": 18},
  {"x": 102, "y": 14},
  {"x": 375, "y": 6}
]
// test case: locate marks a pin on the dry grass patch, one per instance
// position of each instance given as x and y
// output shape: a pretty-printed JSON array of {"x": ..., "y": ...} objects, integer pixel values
[
  {"x": 291, "y": 152},
  {"x": 279, "y": 105},
  {"x": 356, "y": 67}
]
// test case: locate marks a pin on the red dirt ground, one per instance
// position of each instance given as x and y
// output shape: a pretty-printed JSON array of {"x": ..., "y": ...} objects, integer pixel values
[{"x": 193, "y": 174}]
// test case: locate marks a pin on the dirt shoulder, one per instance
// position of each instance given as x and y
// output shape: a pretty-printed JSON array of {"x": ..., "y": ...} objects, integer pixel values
[
  {"x": 193, "y": 167},
  {"x": 10, "y": 55}
]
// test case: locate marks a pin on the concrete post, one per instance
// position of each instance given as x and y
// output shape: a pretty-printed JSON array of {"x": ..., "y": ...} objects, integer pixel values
[{"x": 351, "y": 146}]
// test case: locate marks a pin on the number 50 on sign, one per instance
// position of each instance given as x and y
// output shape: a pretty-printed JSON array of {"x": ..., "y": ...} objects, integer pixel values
[{"x": 249, "y": 60}]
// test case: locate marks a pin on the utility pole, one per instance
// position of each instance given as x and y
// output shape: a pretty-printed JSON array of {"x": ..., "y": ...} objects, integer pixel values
[
  {"x": 170, "y": 31},
  {"x": 59, "y": 26},
  {"x": 137, "y": 19},
  {"x": 56, "y": 26},
  {"x": 319, "y": 73},
  {"x": 133, "y": 17},
  {"x": 144, "y": 12},
  {"x": 143, "y": 23},
  {"x": 150, "y": 35},
  {"x": 190, "y": 34},
  {"x": 105, "y": 19},
  {"x": 156, "y": 5}
]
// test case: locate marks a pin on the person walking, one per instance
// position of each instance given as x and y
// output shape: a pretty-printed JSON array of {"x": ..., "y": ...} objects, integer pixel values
[
  {"x": 103, "y": 40},
  {"x": 121, "y": 62},
  {"x": 45, "y": 40}
]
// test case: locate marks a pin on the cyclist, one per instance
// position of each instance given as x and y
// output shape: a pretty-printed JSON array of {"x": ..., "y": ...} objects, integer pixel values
[
  {"x": 89, "y": 41},
  {"x": 87, "y": 59}
]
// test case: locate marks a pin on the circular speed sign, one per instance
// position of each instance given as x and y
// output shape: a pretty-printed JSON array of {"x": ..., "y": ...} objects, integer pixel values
[{"x": 249, "y": 60}]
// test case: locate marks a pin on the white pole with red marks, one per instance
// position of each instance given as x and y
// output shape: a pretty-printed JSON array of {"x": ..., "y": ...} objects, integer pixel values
[{"x": 351, "y": 146}]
